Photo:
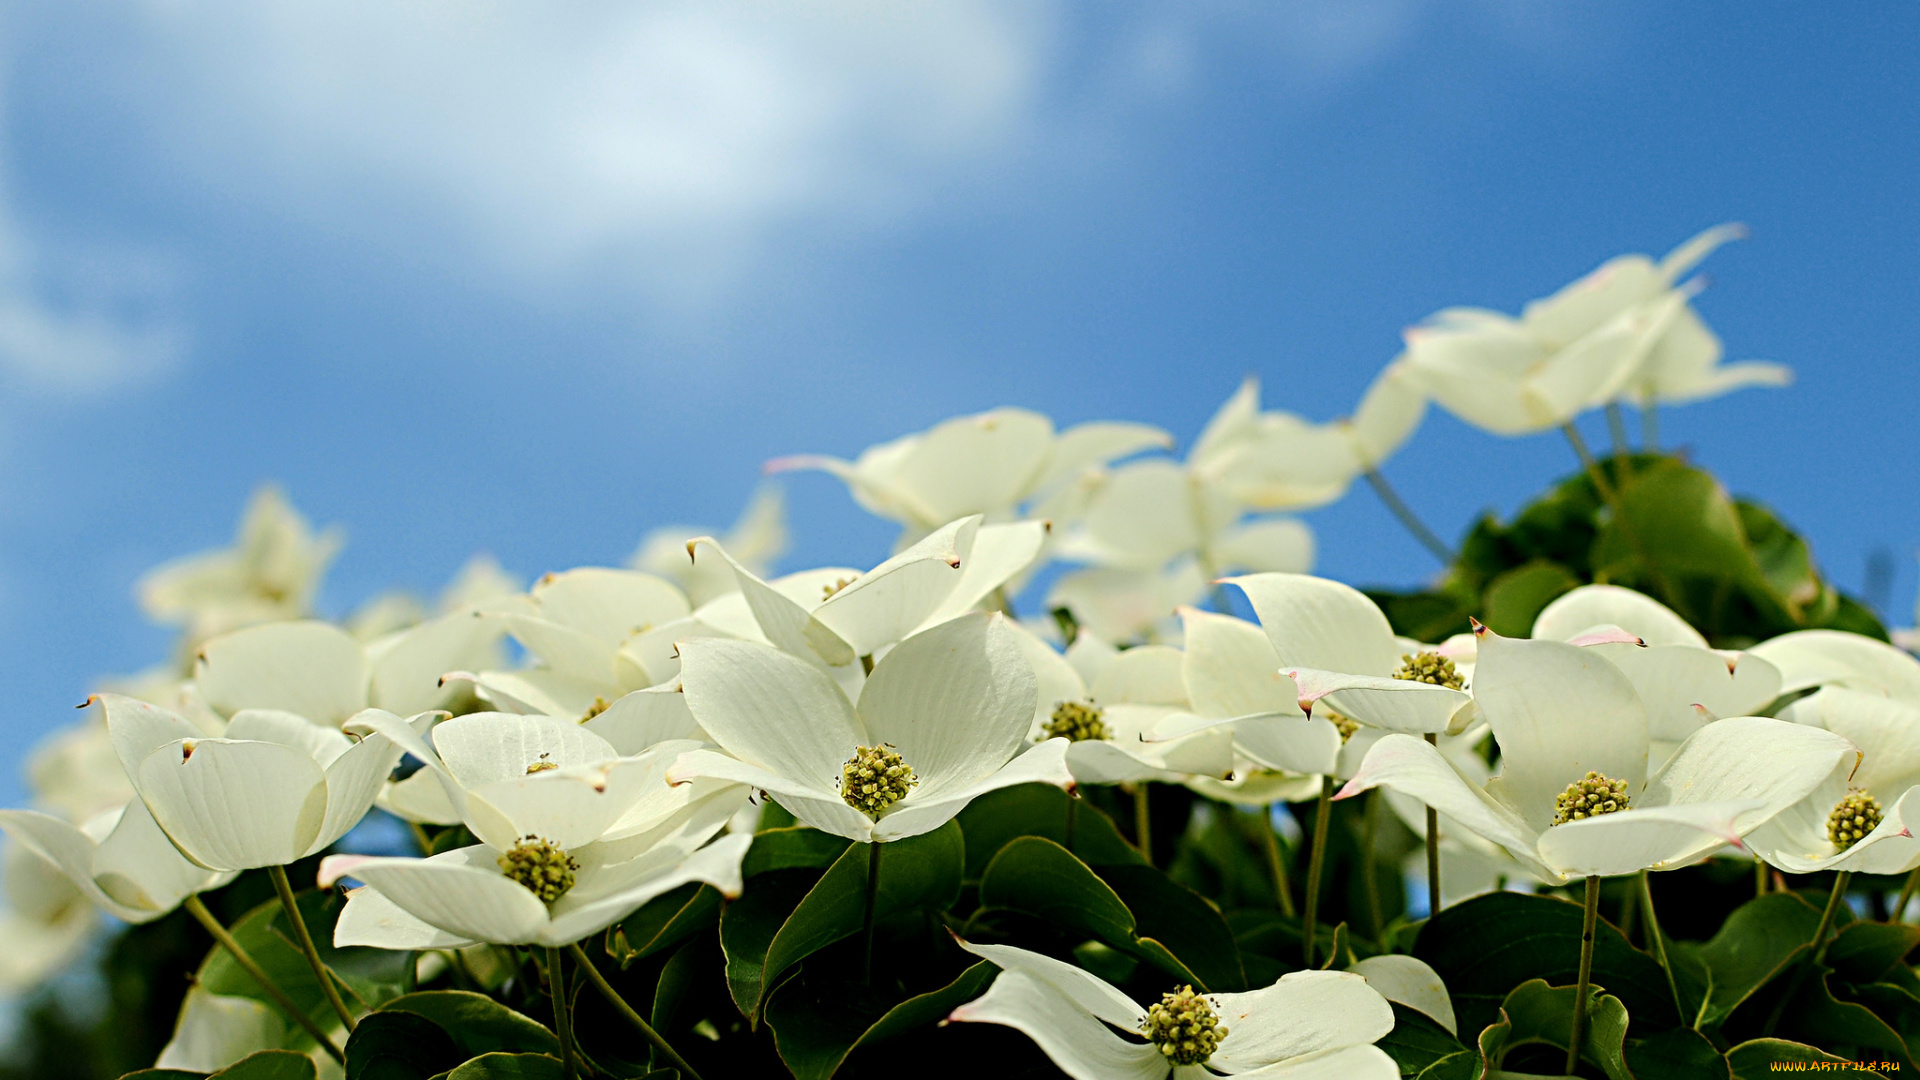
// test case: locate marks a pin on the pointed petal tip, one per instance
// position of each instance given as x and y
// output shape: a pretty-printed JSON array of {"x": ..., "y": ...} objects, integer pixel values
[
  {"x": 1479, "y": 628},
  {"x": 1349, "y": 790}
]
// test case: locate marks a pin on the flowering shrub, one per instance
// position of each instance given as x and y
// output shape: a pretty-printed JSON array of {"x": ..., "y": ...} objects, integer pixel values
[{"x": 686, "y": 819}]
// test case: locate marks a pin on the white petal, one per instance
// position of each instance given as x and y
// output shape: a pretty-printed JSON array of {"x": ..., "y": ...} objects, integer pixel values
[
  {"x": 1000, "y": 553},
  {"x": 1080, "y": 1045},
  {"x": 1146, "y": 675},
  {"x": 1085, "y": 446},
  {"x": 786, "y": 623},
  {"x": 1055, "y": 678},
  {"x": 1406, "y": 764},
  {"x": 566, "y": 806},
  {"x": 534, "y": 691},
  {"x": 1316, "y": 623},
  {"x": 885, "y": 604},
  {"x": 1306, "y": 1012},
  {"x": 1610, "y": 605},
  {"x": 406, "y": 670},
  {"x": 354, "y": 780},
  {"x": 1407, "y": 705},
  {"x": 1388, "y": 414},
  {"x": 1094, "y": 761},
  {"x": 1558, "y": 711},
  {"x": 461, "y": 892},
  {"x": 717, "y": 864},
  {"x": 482, "y": 748},
  {"x": 235, "y": 805},
  {"x": 310, "y": 668},
  {"x": 975, "y": 464},
  {"x": 1796, "y": 839},
  {"x": 772, "y": 710},
  {"x": 1411, "y": 983},
  {"x": 1091, "y": 993},
  {"x": 419, "y": 798},
  {"x": 1886, "y": 731},
  {"x": 371, "y": 919},
  {"x": 920, "y": 813},
  {"x": 565, "y": 650},
  {"x": 646, "y": 717},
  {"x": 322, "y": 744},
  {"x": 1140, "y": 517},
  {"x": 1283, "y": 544},
  {"x": 71, "y": 851},
  {"x": 1749, "y": 757},
  {"x": 137, "y": 728},
  {"x": 956, "y": 701},
  {"x": 137, "y": 866},
  {"x": 609, "y": 604},
  {"x": 1657, "y": 837},
  {"x": 1672, "y": 679},
  {"x": 1688, "y": 255},
  {"x": 1834, "y": 657},
  {"x": 822, "y": 808},
  {"x": 1229, "y": 668},
  {"x": 1350, "y": 1063}
]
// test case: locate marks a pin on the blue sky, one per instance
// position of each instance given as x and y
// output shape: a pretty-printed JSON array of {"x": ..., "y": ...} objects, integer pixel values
[{"x": 530, "y": 279}]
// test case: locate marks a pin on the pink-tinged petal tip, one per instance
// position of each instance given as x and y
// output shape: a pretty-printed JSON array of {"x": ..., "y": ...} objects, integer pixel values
[
  {"x": 1613, "y": 635},
  {"x": 335, "y": 867},
  {"x": 1351, "y": 788}
]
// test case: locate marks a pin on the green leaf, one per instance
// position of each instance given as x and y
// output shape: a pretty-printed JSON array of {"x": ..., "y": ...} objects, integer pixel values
[
  {"x": 1417, "y": 1042},
  {"x": 1864, "y": 951},
  {"x": 477, "y": 1023},
  {"x": 997, "y": 818},
  {"x": 791, "y": 847},
  {"x": 1763, "y": 938},
  {"x": 1515, "y": 598},
  {"x": 665, "y": 922},
  {"x": 1678, "y": 1054},
  {"x": 508, "y": 1067},
  {"x": 675, "y": 987},
  {"x": 1040, "y": 878},
  {"x": 917, "y": 873},
  {"x": 1754, "y": 1059},
  {"x": 1182, "y": 920},
  {"x": 1815, "y": 1015},
  {"x": 1679, "y": 520},
  {"x": 1485, "y": 947},
  {"x": 400, "y": 1046},
  {"x": 1896, "y": 1006},
  {"x": 278, "y": 957},
  {"x": 269, "y": 1065},
  {"x": 815, "y": 1033},
  {"x": 748, "y": 926},
  {"x": 1538, "y": 1013},
  {"x": 163, "y": 1074}
]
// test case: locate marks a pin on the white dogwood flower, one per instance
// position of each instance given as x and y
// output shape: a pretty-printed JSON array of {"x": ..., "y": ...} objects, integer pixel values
[
  {"x": 990, "y": 463},
  {"x": 1573, "y": 797},
  {"x": 118, "y": 859},
  {"x": 1310, "y": 1024},
  {"x": 572, "y": 840},
  {"x": 271, "y": 572},
  {"x": 943, "y": 719},
  {"x": 1341, "y": 653},
  {"x": 275, "y": 788},
  {"x": 1859, "y": 818}
]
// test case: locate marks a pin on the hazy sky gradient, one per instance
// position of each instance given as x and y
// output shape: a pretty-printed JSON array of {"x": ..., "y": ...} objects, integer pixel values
[{"x": 531, "y": 279}]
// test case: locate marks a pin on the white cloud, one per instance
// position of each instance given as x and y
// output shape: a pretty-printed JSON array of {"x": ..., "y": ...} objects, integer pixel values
[{"x": 666, "y": 143}]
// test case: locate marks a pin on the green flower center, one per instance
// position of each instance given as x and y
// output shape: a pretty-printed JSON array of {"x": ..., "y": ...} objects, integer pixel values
[
  {"x": 1429, "y": 667},
  {"x": 1345, "y": 725},
  {"x": 827, "y": 591},
  {"x": 1852, "y": 819},
  {"x": 874, "y": 778},
  {"x": 599, "y": 706},
  {"x": 1590, "y": 796},
  {"x": 1184, "y": 1027},
  {"x": 542, "y": 867},
  {"x": 1077, "y": 722}
]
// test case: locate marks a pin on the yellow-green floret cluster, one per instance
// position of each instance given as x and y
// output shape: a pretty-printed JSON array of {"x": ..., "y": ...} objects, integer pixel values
[
  {"x": 542, "y": 866},
  {"x": 1184, "y": 1027},
  {"x": 1590, "y": 796},
  {"x": 874, "y": 778},
  {"x": 827, "y": 591},
  {"x": 1345, "y": 725},
  {"x": 1077, "y": 722},
  {"x": 1852, "y": 819},
  {"x": 1429, "y": 667},
  {"x": 599, "y": 706}
]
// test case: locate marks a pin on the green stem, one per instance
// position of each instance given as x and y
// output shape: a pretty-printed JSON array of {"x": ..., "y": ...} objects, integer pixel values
[
  {"x": 1834, "y": 899},
  {"x": 240, "y": 956},
  {"x": 1433, "y": 848},
  {"x": 1659, "y": 940},
  {"x": 1408, "y": 519},
  {"x": 1314, "y": 866},
  {"x": 1370, "y": 873},
  {"x": 873, "y": 897},
  {"x": 1594, "y": 472},
  {"x": 320, "y": 973},
  {"x": 1650, "y": 428},
  {"x": 1617, "y": 429},
  {"x": 421, "y": 838},
  {"x": 1142, "y": 822},
  {"x": 1586, "y": 974},
  {"x": 562, "y": 1013},
  {"x": 1759, "y": 877},
  {"x": 1812, "y": 960},
  {"x": 620, "y": 1005},
  {"x": 1906, "y": 894},
  {"x": 1276, "y": 861}
]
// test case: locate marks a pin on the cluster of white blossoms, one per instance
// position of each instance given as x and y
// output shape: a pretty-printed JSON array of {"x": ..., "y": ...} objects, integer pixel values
[{"x": 609, "y": 734}]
